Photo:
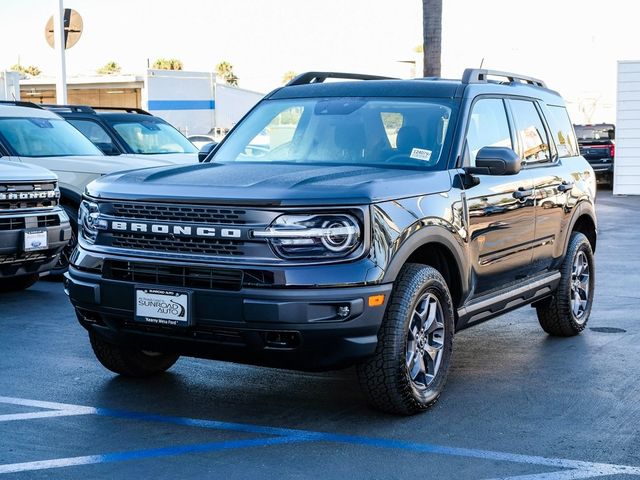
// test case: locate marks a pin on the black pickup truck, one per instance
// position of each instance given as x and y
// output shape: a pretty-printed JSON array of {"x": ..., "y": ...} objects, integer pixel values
[
  {"x": 33, "y": 228},
  {"x": 382, "y": 216},
  {"x": 597, "y": 146}
]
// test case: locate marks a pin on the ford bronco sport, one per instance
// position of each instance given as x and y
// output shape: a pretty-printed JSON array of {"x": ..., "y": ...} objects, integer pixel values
[
  {"x": 33, "y": 228},
  {"x": 383, "y": 216}
]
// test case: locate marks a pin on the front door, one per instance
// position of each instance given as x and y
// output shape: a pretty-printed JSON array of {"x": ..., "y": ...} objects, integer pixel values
[{"x": 501, "y": 208}]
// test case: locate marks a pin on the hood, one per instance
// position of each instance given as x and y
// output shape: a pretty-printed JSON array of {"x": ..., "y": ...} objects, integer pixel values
[
  {"x": 269, "y": 185},
  {"x": 20, "y": 172},
  {"x": 103, "y": 164},
  {"x": 170, "y": 158}
]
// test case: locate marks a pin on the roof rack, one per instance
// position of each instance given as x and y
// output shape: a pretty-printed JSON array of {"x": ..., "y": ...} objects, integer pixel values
[
  {"x": 123, "y": 109},
  {"x": 319, "y": 77},
  {"x": 476, "y": 75},
  {"x": 68, "y": 108},
  {"x": 20, "y": 103}
]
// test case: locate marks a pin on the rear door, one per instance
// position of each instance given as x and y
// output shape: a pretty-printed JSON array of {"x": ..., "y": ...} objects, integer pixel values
[{"x": 501, "y": 207}]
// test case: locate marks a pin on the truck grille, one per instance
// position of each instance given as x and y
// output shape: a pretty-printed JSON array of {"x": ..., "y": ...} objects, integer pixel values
[
  {"x": 180, "y": 213},
  {"x": 19, "y": 223},
  {"x": 177, "y": 276},
  {"x": 8, "y": 203},
  {"x": 177, "y": 245}
]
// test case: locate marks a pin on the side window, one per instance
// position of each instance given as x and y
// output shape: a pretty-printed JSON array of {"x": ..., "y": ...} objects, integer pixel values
[
  {"x": 488, "y": 127},
  {"x": 95, "y": 133},
  {"x": 531, "y": 132},
  {"x": 562, "y": 132}
]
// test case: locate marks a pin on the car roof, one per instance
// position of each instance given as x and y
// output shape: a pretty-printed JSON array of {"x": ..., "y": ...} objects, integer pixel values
[
  {"x": 128, "y": 117},
  {"x": 10, "y": 110}
]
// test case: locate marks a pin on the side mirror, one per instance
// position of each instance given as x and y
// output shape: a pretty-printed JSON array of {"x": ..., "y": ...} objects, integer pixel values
[
  {"x": 612, "y": 134},
  {"x": 107, "y": 148},
  {"x": 496, "y": 161},
  {"x": 206, "y": 150}
]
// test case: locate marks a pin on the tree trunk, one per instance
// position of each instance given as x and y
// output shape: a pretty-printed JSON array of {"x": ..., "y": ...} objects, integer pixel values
[{"x": 432, "y": 36}]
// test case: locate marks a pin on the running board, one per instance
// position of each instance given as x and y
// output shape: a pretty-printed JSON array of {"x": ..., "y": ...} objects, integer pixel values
[{"x": 494, "y": 304}]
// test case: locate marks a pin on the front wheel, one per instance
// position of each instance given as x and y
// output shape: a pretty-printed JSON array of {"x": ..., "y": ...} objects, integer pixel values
[
  {"x": 566, "y": 313},
  {"x": 409, "y": 369},
  {"x": 130, "y": 362}
]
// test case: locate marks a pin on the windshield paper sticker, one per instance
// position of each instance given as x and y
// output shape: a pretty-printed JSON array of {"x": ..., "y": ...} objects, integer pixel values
[{"x": 421, "y": 154}]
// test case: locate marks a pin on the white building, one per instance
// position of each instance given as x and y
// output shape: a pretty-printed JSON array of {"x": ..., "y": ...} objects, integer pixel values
[
  {"x": 627, "y": 158},
  {"x": 193, "y": 102}
]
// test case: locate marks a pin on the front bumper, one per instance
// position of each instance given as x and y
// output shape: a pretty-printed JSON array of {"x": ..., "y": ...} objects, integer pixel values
[
  {"x": 14, "y": 261},
  {"x": 289, "y": 327}
]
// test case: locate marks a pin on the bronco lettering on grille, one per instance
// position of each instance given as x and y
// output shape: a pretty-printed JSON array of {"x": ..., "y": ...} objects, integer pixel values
[
  {"x": 29, "y": 195},
  {"x": 176, "y": 230}
]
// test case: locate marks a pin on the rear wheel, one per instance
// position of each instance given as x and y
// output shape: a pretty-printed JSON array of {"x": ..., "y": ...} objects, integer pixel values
[
  {"x": 130, "y": 362},
  {"x": 18, "y": 283},
  {"x": 566, "y": 313},
  {"x": 409, "y": 369}
]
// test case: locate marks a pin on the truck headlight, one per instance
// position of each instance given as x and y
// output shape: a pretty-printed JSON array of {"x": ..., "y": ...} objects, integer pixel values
[
  {"x": 89, "y": 222},
  {"x": 313, "y": 236}
]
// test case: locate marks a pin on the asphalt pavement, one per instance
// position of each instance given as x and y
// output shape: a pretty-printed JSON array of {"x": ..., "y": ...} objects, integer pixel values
[{"x": 518, "y": 403}]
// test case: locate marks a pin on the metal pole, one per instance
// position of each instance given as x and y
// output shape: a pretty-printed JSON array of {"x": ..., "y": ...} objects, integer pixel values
[{"x": 58, "y": 42}]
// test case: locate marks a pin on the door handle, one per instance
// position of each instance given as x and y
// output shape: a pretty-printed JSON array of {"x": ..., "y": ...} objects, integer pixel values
[
  {"x": 521, "y": 193},
  {"x": 565, "y": 186}
]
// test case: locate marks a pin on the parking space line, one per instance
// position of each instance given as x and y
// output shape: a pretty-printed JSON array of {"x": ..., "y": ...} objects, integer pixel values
[
  {"x": 46, "y": 414},
  {"x": 574, "y": 469},
  {"x": 144, "y": 454}
]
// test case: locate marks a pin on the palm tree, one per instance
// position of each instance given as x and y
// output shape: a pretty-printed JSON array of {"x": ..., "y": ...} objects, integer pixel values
[
  {"x": 167, "y": 64},
  {"x": 288, "y": 76},
  {"x": 432, "y": 36},
  {"x": 225, "y": 71},
  {"x": 109, "y": 68},
  {"x": 28, "y": 71}
]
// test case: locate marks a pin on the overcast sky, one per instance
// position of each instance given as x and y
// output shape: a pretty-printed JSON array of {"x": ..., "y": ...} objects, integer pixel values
[{"x": 573, "y": 45}]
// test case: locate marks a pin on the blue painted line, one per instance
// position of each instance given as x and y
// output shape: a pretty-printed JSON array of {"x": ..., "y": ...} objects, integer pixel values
[
  {"x": 181, "y": 104},
  {"x": 144, "y": 454}
]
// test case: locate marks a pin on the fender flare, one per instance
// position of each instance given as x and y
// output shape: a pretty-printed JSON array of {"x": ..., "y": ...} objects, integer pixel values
[
  {"x": 70, "y": 197},
  {"x": 431, "y": 234},
  {"x": 583, "y": 208}
]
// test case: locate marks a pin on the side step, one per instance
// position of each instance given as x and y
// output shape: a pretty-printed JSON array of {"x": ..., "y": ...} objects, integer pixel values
[{"x": 496, "y": 303}]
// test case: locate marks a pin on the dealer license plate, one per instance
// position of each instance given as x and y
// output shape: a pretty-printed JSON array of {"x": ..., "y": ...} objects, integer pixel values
[
  {"x": 35, "y": 239},
  {"x": 162, "y": 307}
]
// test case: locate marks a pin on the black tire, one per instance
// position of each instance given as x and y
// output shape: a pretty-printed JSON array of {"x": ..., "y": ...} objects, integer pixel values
[
  {"x": 128, "y": 361},
  {"x": 63, "y": 260},
  {"x": 16, "y": 284},
  {"x": 557, "y": 315},
  {"x": 386, "y": 378}
]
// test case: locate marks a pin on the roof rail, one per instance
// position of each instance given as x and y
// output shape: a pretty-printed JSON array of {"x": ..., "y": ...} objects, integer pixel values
[
  {"x": 476, "y": 75},
  {"x": 71, "y": 108},
  {"x": 20, "y": 103},
  {"x": 319, "y": 77},
  {"x": 123, "y": 109}
]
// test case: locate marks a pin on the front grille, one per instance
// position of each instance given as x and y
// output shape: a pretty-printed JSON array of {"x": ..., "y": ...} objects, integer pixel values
[
  {"x": 180, "y": 213},
  {"x": 19, "y": 223},
  {"x": 177, "y": 276},
  {"x": 22, "y": 258},
  {"x": 20, "y": 204},
  {"x": 162, "y": 243}
]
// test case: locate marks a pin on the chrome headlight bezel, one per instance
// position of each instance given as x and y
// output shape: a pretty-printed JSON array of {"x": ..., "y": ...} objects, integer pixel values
[
  {"x": 314, "y": 235},
  {"x": 89, "y": 222}
]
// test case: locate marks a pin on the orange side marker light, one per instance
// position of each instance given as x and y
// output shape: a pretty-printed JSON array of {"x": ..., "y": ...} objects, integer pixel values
[{"x": 376, "y": 300}]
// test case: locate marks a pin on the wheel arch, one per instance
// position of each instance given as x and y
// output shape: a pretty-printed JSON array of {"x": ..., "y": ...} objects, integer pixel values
[
  {"x": 437, "y": 247},
  {"x": 583, "y": 221}
]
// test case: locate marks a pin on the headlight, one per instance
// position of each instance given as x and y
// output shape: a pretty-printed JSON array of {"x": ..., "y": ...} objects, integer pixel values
[
  {"x": 89, "y": 222},
  {"x": 313, "y": 236}
]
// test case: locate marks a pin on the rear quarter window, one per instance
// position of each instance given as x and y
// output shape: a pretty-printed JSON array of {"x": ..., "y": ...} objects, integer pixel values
[{"x": 562, "y": 132}]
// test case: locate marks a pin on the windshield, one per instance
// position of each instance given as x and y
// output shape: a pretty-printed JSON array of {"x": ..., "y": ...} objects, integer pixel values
[
  {"x": 365, "y": 131},
  {"x": 45, "y": 137},
  {"x": 595, "y": 132},
  {"x": 153, "y": 137}
]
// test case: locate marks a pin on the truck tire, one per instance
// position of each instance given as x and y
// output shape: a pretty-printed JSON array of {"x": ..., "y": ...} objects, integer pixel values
[
  {"x": 566, "y": 313},
  {"x": 18, "y": 283},
  {"x": 409, "y": 369},
  {"x": 63, "y": 260},
  {"x": 128, "y": 361}
]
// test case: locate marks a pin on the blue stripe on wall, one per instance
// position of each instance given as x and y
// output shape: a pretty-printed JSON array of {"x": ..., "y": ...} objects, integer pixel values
[{"x": 182, "y": 104}]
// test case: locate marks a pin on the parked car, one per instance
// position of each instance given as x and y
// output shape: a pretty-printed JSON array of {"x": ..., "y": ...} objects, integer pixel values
[
  {"x": 201, "y": 140},
  {"x": 33, "y": 227},
  {"x": 597, "y": 146},
  {"x": 32, "y": 135},
  {"x": 128, "y": 131},
  {"x": 386, "y": 216}
]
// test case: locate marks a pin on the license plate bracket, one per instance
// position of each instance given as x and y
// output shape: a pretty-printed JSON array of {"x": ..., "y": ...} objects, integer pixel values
[
  {"x": 163, "y": 307},
  {"x": 35, "y": 239}
]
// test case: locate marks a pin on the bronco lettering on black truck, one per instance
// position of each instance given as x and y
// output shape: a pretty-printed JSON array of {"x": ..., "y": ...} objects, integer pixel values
[{"x": 382, "y": 216}]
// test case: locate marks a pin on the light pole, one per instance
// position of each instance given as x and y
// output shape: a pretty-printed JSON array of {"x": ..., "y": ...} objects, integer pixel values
[{"x": 59, "y": 47}]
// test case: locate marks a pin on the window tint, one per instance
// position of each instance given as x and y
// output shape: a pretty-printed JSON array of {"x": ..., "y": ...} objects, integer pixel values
[
  {"x": 531, "y": 132},
  {"x": 92, "y": 131},
  {"x": 562, "y": 133},
  {"x": 488, "y": 127},
  {"x": 153, "y": 137}
]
